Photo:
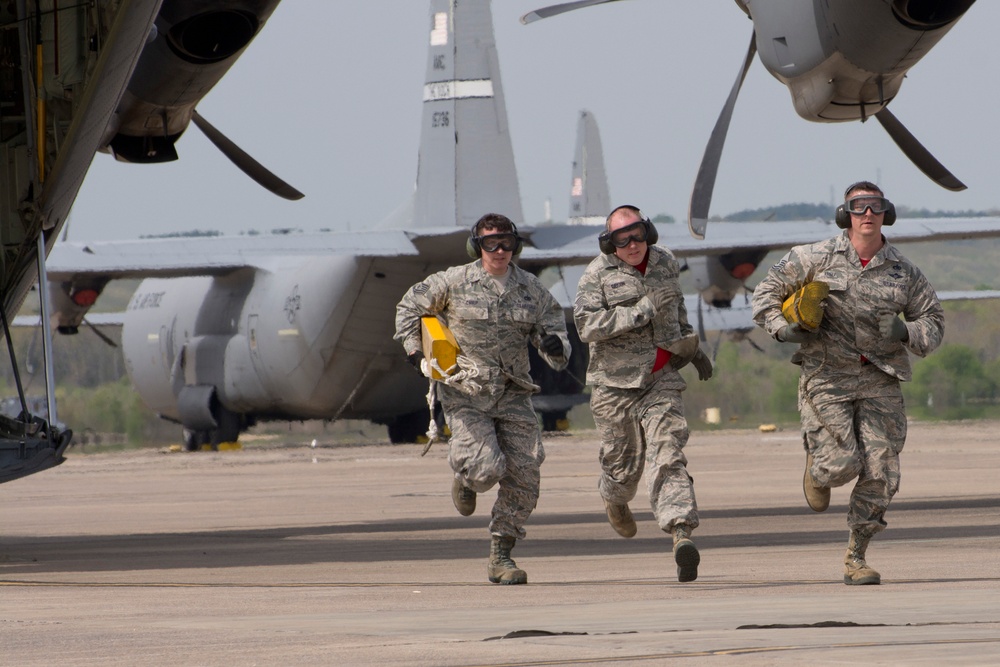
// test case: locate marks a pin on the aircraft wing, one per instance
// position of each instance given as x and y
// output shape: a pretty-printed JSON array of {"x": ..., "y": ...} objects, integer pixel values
[
  {"x": 217, "y": 255},
  {"x": 578, "y": 243}
]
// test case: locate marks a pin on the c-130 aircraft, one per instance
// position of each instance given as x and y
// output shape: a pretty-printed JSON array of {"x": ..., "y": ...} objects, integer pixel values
[{"x": 228, "y": 331}]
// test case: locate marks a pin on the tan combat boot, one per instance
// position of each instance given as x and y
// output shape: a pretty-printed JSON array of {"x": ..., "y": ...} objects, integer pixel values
[
  {"x": 501, "y": 568},
  {"x": 463, "y": 497},
  {"x": 818, "y": 497},
  {"x": 620, "y": 518},
  {"x": 856, "y": 570},
  {"x": 685, "y": 553}
]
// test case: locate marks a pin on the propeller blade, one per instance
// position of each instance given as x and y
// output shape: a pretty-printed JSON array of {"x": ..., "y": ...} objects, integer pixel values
[
  {"x": 555, "y": 10},
  {"x": 100, "y": 334},
  {"x": 247, "y": 164},
  {"x": 701, "y": 321},
  {"x": 919, "y": 155},
  {"x": 704, "y": 184},
  {"x": 715, "y": 348}
]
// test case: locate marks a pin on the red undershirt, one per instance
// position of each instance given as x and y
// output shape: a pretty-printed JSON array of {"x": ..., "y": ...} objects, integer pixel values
[{"x": 662, "y": 356}]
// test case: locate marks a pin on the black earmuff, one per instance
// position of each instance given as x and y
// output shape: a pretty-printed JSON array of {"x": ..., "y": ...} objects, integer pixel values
[
  {"x": 843, "y": 218},
  {"x": 475, "y": 252},
  {"x": 608, "y": 248},
  {"x": 472, "y": 245}
]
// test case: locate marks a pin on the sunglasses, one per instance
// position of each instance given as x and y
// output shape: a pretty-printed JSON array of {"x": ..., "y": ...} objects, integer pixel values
[
  {"x": 857, "y": 205},
  {"x": 620, "y": 238},
  {"x": 494, "y": 242}
]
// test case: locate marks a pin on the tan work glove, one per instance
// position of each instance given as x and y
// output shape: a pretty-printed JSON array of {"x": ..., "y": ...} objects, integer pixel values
[{"x": 682, "y": 351}]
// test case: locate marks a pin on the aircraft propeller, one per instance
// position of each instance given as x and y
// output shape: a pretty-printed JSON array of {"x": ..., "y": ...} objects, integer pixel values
[
  {"x": 704, "y": 183},
  {"x": 701, "y": 195},
  {"x": 919, "y": 155},
  {"x": 241, "y": 159}
]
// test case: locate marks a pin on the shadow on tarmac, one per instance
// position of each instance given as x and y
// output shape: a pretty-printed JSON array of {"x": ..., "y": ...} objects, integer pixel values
[{"x": 410, "y": 540}]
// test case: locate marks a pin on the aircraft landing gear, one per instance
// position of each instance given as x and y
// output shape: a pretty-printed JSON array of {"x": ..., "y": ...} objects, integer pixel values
[
  {"x": 229, "y": 428},
  {"x": 193, "y": 440},
  {"x": 230, "y": 425},
  {"x": 407, "y": 428},
  {"x": 555, "y": 421}
]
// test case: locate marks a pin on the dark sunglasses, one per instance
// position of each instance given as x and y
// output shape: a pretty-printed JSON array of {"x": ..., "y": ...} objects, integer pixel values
[
  {"x": 620, "y": 238},
  {"x": 494, "y": 242},
  {"x": 857, "y": 205}
]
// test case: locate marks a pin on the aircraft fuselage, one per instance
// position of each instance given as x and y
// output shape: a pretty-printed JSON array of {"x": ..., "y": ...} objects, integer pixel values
[{"x": 302, "y": 338}]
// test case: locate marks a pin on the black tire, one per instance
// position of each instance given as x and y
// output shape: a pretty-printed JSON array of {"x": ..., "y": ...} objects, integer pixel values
[
  {"x": 550, "y": 420},
  {"x": 228, "y": 429},
  {"x": 193, "y": 440},
  {"x": 407, "y": 428}
]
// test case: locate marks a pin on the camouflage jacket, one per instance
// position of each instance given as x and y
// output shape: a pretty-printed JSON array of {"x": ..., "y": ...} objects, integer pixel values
[
  {"x": 616, "y": 317},
  {"x": 491, "y": 328},
  {"x": 858, "y": 296}
]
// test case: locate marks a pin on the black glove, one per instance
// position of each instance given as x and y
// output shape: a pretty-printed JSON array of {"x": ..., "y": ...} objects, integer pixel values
[
  {"x": 703, "y": 364},
  {"x": 793, "y": 333},
  {"x": 891, "y": 327},
  {"x": 552, "y": 345},
  {"x": 415, "y": 359}
]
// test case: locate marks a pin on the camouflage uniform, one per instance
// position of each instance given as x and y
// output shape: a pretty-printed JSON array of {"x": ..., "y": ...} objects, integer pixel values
[
  {"x": 633, "y": 407},
  {"x": 494, "y": 435},
  {"x": 853, "y": 419}
]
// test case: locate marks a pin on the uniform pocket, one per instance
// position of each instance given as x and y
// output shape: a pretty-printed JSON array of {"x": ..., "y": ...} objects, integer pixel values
[
  {"x": 623, "y": 291},
  {"x": 469, "y": 312}
]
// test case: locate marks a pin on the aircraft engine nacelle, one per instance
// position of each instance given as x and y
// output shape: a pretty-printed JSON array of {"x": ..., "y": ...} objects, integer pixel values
[
  {"x": 928, "y": 15},
  {"x": 192, "y": 47},
  {"x": 70, "y": 301},
  {"x": 846, "y": 60},
  {"x": 719, "y": 278}
]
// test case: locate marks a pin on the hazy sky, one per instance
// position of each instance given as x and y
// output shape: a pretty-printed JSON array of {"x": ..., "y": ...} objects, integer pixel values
[{"x": 328, "y": 96}]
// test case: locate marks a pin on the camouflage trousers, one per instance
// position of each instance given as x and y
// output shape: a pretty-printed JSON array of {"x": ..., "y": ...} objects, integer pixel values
[
  {"x": 495, "y": 439},
  {"x": 645, "y": 428},
  {"x": 859, "y": 432}
]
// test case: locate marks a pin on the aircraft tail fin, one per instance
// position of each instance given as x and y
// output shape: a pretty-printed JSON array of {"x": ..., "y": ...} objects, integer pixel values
[
  {"x": 589, "y": 199},
  {"x": 466, "y": 162}
]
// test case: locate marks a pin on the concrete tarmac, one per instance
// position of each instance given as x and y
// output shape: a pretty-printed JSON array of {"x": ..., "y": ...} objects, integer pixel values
[{"x": 354, "y": 555}]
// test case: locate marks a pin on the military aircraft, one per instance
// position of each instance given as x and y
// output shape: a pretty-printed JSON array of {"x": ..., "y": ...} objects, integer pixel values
[
  {"x": 227, "y": 331},
  {"x": 118, "y": 76},
  {"x": 841, "y": 61}
]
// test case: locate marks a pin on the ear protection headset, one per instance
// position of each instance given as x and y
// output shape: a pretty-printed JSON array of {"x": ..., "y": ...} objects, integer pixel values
[
  {"x": 604, "y": 239},
  {"x": 472, "y": 245},
  {"x": 843, "y": 217}
]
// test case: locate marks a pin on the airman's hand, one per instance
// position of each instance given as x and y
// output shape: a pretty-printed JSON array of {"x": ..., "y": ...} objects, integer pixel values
[
  {"x": 793, "y": 333},
  {"x": 659, "y": 298},
  {"x": 891, "y": 327},
  {"x": 552, "y": 345},
  {"x": 703, "y": 364},
  {"x": 415, "y": 359}
]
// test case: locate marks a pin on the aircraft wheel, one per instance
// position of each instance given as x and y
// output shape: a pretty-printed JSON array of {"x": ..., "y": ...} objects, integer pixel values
[
  {"x": 228, "y": 429},
  {"x": 409, "y": 427},
  {"x": 192, "y": 440},
  {"x": 554, "y": 421}
]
